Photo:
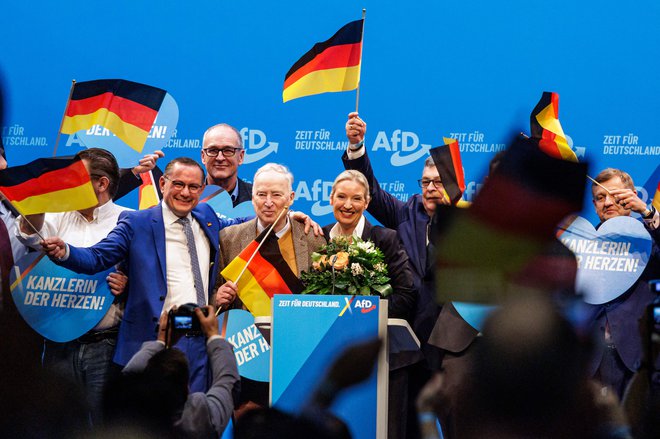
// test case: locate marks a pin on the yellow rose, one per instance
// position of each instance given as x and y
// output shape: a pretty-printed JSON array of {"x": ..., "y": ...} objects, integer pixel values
[
  {"x": 318, "y": 265},
  {"x": 341, "y": 261}
]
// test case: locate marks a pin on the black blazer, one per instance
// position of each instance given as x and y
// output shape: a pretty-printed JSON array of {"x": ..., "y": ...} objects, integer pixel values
[{"x": 401, "y": 303}]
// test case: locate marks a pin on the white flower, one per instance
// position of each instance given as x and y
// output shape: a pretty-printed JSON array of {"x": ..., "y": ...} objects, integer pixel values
[
  {"x": 356, "y": 269},
  {"x": 380, "y": 267},
  {"x": 366, "y": 246}
]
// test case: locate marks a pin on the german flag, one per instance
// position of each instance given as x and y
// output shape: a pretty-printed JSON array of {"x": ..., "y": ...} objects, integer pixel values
[
  {"x": 333, "y": 65},
  {"x": 546, "y": 129},
  {"x": 447, "y": 159},
  {"x": 126, "y": 108},
  {"x": 656, "y": 198},
  {"x": 266, "y": 275},
  {"x": 148, "y": 195},
  {"x": 48, "y": 185},
  {"x": 480, "y": 250}
]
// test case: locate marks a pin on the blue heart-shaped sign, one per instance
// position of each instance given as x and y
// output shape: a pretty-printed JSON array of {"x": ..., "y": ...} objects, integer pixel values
[
  {"x": 251, "y": 349},
  {"x": 58, "y": 303},
  {"x": 610, "y": 259},
  {"x": 220, "y": 202}
]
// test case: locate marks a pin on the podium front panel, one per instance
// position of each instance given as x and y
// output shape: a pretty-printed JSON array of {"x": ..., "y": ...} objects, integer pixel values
[{"x": 308, "y": 333}]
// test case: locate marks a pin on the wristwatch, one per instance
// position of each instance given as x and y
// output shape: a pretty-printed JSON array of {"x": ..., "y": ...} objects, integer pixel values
[
  {"x": 356, "y": 146},
  {"x": 648, "y": 213}
]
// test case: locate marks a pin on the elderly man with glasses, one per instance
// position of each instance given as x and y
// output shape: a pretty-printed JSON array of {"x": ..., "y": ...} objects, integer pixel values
[{"x": 222, "y": 154}]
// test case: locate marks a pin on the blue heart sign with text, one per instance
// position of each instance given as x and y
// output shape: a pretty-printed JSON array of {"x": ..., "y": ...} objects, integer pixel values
[{"x": 610, "y": 259}]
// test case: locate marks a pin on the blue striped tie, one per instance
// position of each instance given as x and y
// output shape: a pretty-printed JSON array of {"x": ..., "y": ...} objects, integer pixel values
[{"x": 194, "y": 263}]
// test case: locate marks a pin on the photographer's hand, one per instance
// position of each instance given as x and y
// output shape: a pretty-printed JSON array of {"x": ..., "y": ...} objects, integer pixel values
[
  {"x": 162, "y": 328},
  {"x": 208, "y": 322}
]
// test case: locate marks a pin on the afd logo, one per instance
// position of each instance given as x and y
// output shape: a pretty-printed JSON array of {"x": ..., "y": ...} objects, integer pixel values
[
  {"x": 404, "y": 144},
  {"x": 317, "y": 191},
  {"x": 471, "y": 189},
  {"x": 364, "y": 305},
  {"x": 257, "y": 146},
  {"x": 578, "y": 150}
]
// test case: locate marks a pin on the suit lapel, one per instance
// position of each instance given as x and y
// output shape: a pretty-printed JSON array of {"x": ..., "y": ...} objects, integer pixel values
[
  {"x": 158, "y": 233},
  {"x": 299, "y": 246},
  {"x": 366, "y": 233}
]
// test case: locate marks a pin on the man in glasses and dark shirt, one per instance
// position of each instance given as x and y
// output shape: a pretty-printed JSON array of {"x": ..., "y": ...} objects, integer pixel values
[{"x": 222, "y": 154}]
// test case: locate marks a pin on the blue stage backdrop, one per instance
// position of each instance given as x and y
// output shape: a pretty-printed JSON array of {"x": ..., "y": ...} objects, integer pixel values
[{"x": 468, "y": 70}]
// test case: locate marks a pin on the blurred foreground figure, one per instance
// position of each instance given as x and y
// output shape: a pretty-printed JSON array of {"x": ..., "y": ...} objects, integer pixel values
[{"x": 530, "y": 380}]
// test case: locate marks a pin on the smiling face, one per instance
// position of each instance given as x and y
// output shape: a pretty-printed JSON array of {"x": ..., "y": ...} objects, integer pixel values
[
  {"x": 604, "y": 203},
  {"x": 182, "y": 201},
  {"x": 349, "y": 201},
  {"x": 270, "y": 194},
  {"x": 431, "y": 194},
  {"x": 222, "y": 170}
]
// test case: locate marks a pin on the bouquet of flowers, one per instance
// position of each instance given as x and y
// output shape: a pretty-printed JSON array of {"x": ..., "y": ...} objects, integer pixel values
[{"x": 347, "y": 265}]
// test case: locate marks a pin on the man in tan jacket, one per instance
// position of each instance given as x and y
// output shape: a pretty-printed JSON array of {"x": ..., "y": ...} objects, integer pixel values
[{"x": 272, "y": 191}]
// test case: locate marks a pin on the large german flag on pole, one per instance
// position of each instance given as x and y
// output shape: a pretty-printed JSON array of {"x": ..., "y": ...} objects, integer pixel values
[
  {"x": 546, "y": 129},
  {"x": 48, "y": 185},
  {"x": 447, "y": 159},
  {"x": 330, "y": 66},
  {"x": 267, "y": 274},
  {"x": 126, "y": 108}
]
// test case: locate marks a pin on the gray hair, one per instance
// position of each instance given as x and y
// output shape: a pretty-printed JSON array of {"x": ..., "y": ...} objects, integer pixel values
[
  {"x": 429, "y": 163},
  {"x": 353, "y": 175},
  {"x": 278, "y": 169}
]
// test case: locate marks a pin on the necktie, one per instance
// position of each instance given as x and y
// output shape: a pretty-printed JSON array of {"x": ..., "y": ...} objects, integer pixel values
[{"x": 194, "y": 263}]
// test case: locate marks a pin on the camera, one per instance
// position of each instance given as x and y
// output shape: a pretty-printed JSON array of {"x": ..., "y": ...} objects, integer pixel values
[{"x": 184, "y": 320}]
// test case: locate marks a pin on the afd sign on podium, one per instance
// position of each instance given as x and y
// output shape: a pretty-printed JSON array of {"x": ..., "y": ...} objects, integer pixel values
[{"x": 308, "y": 333}]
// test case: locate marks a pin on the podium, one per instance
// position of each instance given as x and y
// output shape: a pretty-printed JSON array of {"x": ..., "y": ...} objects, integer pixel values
[{"x": 308, "y": 332}]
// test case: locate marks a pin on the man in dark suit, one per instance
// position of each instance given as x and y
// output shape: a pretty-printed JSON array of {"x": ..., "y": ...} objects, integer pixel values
[
  {"x": 222, "y": 154},
  {"x": 163, "y": 272},
  {"x": 619, "y": 355}
]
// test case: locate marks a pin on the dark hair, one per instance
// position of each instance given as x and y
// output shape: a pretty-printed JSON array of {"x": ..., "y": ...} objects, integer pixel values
[
  {"x": 186, "y": 161},
  {"x": 170, "y": 367},
  {"x": 102, "y": 164}
]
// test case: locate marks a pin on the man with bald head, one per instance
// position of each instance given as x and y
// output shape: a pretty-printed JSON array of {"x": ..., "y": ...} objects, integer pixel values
[{"x": 222, "y": 154}]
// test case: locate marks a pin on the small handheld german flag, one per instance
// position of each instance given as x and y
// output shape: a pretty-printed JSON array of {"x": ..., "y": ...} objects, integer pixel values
[
  {"x": 126, "y": 108},
  {"x": 546, "y": 129},
  {"x": 447, "y": 159},
  {"x": 330, "y": 66},
  {"x": 267, "y": 274},
  {"x": 60, "y": 184}
]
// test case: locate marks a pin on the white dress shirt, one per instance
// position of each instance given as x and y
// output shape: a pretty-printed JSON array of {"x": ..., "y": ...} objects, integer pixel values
[
  {"x": 74, "y": 229},
  {"x": 180, "y": 282},
  {"x": 359, "y": 228}
]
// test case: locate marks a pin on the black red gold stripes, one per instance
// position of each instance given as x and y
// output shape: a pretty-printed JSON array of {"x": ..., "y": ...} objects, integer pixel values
[
  {"x": 332, "y": 65},
  {"x": 447, "y": 159},
  {"x": 48, "y": 185},
  {"x": 126, "y": 108}
]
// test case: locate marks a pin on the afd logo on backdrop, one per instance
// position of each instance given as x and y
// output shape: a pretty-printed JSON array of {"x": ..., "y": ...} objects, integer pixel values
[
  {"x": 257, "y": 146},
  {"x": 404, "y": 144},
  {"x": 318, "y": 192}
]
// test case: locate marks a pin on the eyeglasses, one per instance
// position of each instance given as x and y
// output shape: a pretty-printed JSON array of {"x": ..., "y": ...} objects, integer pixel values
[
  {"x": 179, "y": 186},
  {"x": 227, "y": 151},
  {"x": 424, "y": 182}
]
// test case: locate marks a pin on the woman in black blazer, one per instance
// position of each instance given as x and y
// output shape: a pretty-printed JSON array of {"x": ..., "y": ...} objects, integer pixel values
[{"x": 349, "y": 199}]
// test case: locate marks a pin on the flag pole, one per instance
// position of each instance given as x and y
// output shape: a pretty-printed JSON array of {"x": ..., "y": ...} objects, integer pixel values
[
  {"x": 270, "y": 229},
  {"x": 357, "y": 91},
  {"x": 16, "y": 211},
  {"x": 595, "y": 182},
  {"x": 59, "y": 132}
]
